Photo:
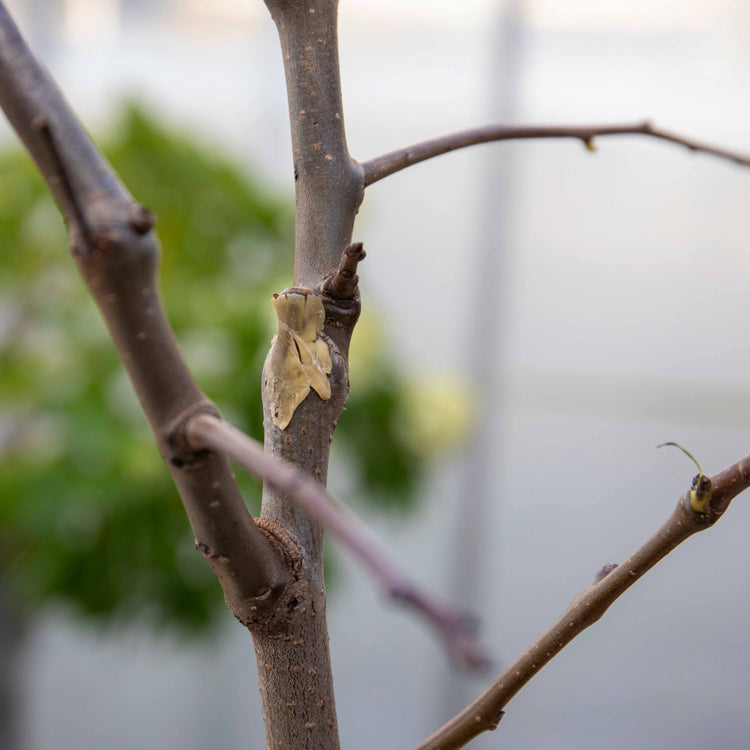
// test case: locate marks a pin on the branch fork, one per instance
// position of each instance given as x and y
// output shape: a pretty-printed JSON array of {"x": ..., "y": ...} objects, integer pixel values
[{"x": 456, "y": 629}]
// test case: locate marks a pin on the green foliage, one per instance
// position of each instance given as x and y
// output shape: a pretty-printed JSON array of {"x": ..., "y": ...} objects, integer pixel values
[{"x": 88, "y": 513}]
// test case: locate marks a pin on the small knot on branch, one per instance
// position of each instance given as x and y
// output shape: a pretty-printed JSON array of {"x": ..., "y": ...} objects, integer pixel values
[
  {"x": 700, "y": 491},
  {"x": 604, "y": 572},
  {"x": 590, "y": 145},
  {"x": 141, "y": 219},
  {"x": 700, "y": 494},
  {"x": 177, "y": 432},
  {"x": 343, "y": 284},
  {"x": 497, "y": 718}
]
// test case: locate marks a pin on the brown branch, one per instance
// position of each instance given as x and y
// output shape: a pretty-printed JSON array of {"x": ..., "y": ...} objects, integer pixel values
[
  {"x": 329, "y": 187},
  {"x": 382, "y": 166},
  {"x": 455, "y": 629},
  {"x": 118, "y": 255},
  {"x": 328, "y": 182},
  {"x": 483, "y": 714},
  {"x": 342, "y": 285}
]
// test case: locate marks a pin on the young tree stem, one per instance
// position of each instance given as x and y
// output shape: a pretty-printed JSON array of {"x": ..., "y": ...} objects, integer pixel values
[{"x": 329, "y": 183}]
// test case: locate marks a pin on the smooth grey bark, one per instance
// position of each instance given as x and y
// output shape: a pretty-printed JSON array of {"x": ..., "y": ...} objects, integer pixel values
[
  {"x": 294, "y": 668},
  {"x": 329, "y": 183}
]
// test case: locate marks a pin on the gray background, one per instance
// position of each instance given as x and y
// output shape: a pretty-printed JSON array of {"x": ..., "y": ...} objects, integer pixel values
[{"x": 618, "y": 289}]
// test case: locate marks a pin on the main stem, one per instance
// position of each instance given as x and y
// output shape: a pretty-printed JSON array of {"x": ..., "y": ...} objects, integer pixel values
[
  {"x": 329, "y": 183},
  {"x": 294, "y": 667}
]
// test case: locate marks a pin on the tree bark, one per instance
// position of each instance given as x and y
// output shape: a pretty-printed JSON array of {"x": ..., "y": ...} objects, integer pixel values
[
  {"x": 294, "y": 668},
  {"x": 329, "y": 184}
]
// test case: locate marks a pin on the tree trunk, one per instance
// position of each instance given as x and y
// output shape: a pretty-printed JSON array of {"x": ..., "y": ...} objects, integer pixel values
[{"x": 294, "y": 667}]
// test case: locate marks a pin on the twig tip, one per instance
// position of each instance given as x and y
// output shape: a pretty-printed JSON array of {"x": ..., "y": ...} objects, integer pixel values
[{"x": 342, "y": 285}]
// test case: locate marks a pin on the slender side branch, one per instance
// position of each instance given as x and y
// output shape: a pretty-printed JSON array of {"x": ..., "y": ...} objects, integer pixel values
[
  {"x": 455, "y": 629},
  {"x": 483, "y": 714},
  {"x": 382, "y": 166},
  {"x": 117, "y": 253}
]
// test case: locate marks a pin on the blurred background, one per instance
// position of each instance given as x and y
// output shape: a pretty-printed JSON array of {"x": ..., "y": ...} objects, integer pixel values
[{"x": 537, "y": 319}]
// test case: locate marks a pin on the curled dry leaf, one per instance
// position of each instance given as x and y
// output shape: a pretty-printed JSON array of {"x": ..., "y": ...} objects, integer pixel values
[{"x": 299, "y": 358}]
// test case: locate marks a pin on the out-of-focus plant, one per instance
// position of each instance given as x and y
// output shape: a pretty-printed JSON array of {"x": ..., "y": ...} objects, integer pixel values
[{"x": 88, "y": 513}]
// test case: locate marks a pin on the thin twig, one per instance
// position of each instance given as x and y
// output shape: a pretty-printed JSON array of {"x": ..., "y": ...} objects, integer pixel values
[
  {"x": 382, "y": 166},
  {"x": 484, "y": 713},
  {"x": 456, "y": 629}
]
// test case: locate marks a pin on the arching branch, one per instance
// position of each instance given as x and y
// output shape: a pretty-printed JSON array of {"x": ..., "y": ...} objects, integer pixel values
[{"x": 387, "y": 164}]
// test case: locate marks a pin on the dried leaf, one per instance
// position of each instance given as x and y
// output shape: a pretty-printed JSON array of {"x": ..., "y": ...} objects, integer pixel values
[{"x": 299, "y": 358}]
